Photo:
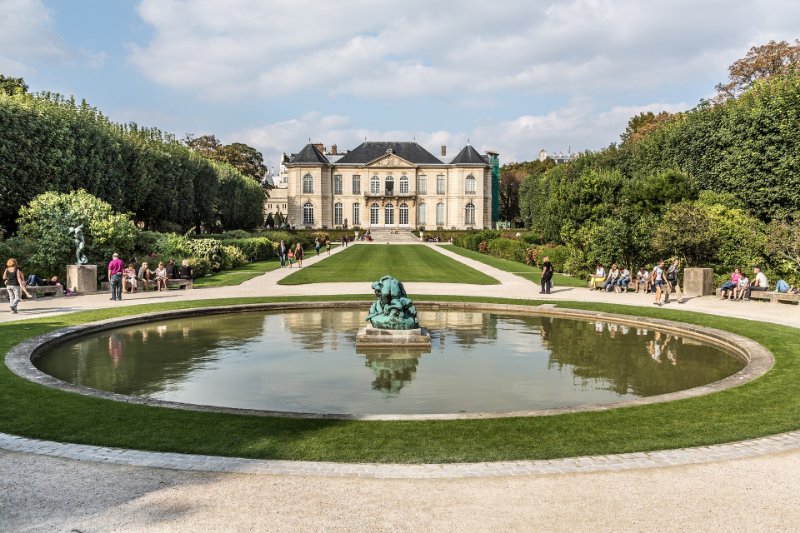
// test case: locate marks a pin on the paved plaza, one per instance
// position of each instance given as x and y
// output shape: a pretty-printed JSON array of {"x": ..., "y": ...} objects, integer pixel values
[{"x": 739, "y": 486}]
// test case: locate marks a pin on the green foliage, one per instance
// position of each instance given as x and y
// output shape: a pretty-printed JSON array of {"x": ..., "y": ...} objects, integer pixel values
[
  {"x": 472, "y": 239},
  {"x": 44, "y": 224},
  {"x": 253, "y": 248},
  {"x": 511, "y": 249},
  {"x": 232, "y": 257},
  {"x": 687, "y": 232}
]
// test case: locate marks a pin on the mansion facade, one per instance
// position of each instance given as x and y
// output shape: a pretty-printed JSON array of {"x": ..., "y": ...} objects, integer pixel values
[{"x": 386, "y": 185}]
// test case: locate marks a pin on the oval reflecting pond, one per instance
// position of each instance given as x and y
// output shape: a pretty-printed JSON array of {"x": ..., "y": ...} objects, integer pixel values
[{"x": 306, "y": 361}]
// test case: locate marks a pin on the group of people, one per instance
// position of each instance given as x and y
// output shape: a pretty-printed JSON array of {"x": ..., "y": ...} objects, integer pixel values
[
  {"x": 128, "y": 278},
  {"x": 661, "y": 280},
  {"x": 739, "y": 286},
  {"x": 289, "y": 256}
]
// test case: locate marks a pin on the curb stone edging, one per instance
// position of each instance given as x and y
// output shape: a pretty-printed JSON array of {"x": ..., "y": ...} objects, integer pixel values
[{"x": 757, "y": 358}]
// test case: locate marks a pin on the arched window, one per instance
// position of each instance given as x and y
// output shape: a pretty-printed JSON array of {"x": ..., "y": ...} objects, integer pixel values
[
  {"x": 389, "y": 186},
  {"x": 469, "y": 185},
  {"x": 421, "y": 213},
  {"x": 440, "y": 214},
  {"x": 403, "y": 214},
  {"x": 308, "y": 213},
  {"x": 356, "y": 214},
  {"x": 374, "y": 214},
  {"x": 337, "y": 213},
  {"x": 308, "y": 184},
  {"x": 388, "y": 214},
  {"x": 375, "y": 185},
  {"x": 403, "y": 185},
  {"x": 469, "y": 214}
]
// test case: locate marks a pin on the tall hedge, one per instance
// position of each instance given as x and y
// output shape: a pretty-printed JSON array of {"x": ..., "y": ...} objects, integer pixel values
[{"x": 51, "y": 143}]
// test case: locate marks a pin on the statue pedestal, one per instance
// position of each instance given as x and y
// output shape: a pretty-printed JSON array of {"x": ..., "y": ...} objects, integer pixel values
[
  {"x": 698, "y": 281},
  {"x": 82, "y": 278},
  {"x": 370, "y": 336}
]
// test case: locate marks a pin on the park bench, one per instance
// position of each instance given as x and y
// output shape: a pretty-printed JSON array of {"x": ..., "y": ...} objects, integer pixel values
[
  {"x": 772, "y": 296},
  {"x": 37, "y": 291},
  {"x": 180, "y": 283}
]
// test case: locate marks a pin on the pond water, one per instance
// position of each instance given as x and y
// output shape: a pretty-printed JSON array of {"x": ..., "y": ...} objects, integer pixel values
[{"x": 306, "y": 361}]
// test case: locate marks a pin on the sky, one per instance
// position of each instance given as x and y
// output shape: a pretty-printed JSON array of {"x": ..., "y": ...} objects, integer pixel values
[{"x": 515, "y": 76}]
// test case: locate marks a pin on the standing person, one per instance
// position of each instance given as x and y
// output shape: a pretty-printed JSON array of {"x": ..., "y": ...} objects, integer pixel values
[
  {"x": 14, "y": 280},
  {"x": 115, "y": 270},
  {"x": 327, "y": 245},
  {"x": 298, "y": 254},
  {"x": 673, "y": 281},
  {"x": 659, "y": 281},
  {"x": 282, "y": 251},
  {"x": 599, "y": 276},
  {"x": 290, "y": 257},
  {"x": 317, "y": 245},
  {"x": 547, "y": 275},
  {"x": 161, "y": 277},
  {"x": 759, "y": 283},
  {"x": 344, "y": 241}
]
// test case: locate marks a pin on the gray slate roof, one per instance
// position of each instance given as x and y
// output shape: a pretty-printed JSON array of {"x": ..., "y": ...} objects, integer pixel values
[
  {"x": 369, "y": 151},
  {"x": 469, "y": 156},
  {"x": 309, "y": 155}
]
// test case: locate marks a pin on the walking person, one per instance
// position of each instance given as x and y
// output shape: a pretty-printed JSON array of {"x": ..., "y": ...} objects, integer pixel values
[
  {"x": 658, "y": 280},
  {"x": 283, "y": 250},
  {"x": 328, "y": 245},
  {"x": 673, "y": 281},
  {"x": 317, "y": 245},
  {"x": 547, "y": 275},
  {"x": 14, "y": 281},
  {"x": 344, "y": 241},
  {"x": 298, "y": 254},
  {"x": 115, "y": 270}
]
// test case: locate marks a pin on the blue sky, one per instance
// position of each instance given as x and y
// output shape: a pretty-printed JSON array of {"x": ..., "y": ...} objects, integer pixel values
[{"x": 515, "y": 76}]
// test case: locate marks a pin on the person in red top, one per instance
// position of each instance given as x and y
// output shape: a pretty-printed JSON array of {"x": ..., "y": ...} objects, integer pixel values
[{"x": 115, "y": 269}]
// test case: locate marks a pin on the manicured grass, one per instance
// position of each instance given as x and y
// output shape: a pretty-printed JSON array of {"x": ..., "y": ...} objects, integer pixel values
[
  {"x": 767, "y": 405},
  {"x": 406, "y": 262},
  {"x": 237, "y": 275},
  {"x": 533, "y": 274}
]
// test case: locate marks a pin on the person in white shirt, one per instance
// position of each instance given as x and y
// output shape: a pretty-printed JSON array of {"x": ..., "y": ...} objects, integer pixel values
[{"x": 760, "y": 283}]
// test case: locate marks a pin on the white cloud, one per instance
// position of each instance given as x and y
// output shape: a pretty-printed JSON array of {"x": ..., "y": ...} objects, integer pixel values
[
  {"x": 579, "y": 126},
  {"x": 27, "y": 35},
  {"x": 382, "y": 48}
]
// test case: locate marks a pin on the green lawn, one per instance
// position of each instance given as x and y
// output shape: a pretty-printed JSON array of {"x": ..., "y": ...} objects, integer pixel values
[
  {"x": 237, "y": 275},
  {"x": 533, "y": 274},
  {"x": 406, "y": 262},
  {"x": 767, "y": 405}
]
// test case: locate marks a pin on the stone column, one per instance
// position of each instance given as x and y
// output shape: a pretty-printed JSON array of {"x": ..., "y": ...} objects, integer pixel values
[
  {"x": 82, "y": 278},
  {"x": 698, "y": 281}
]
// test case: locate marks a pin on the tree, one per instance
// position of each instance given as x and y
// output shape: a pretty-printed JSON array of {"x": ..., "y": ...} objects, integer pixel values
[
  {"x": 244, "y": 158},
  {"x": 511, "y": 178},
  {"x": 783, "y": 244},
  {"x": 760, "y": 62},
  {"x": 12, "y": 86},
  {"x": 686, "y": 231},
  {"x": 643, "y": 124}
]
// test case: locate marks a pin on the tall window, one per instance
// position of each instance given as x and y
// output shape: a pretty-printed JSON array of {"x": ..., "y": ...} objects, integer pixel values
[
  {"x": 308, "y": 213},
  {"x": 403, "y": 214},
  {"x": 403, "y": 185},
  {"x": 440, "y": 214},
  {"x": 374, "y": 214},
  {"x": 356, "y": 214},
  {"x": 469, "y": 214},
  {"x": 375, "y": 185},
  {"x": 440, "y": 184},
  {"x": 356, "y": 184},
  {"x": 388, "y": 214},
  {"x": 337, "y": 213},
  {"x": 469, "y": 185},
  {"x": 308, "y": 184},
  {"x": 421, "y": 212},
  {"x": 422, "y": 186},
  {"x": 337, "y": 184},
  {"x": 389, "y": 186}
]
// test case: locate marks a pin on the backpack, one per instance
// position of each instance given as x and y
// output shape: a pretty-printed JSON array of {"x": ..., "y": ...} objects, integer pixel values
[{"x": 782, "y": 286}]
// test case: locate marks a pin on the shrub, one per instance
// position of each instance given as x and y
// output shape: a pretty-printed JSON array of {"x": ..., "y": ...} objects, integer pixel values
[
  {"x": 510, "y": 249},
  {"x": 558, "y": 254},
  {"x": 200, "y": 266},
  {"x": 254, "y": 248},
  {"x": 232, "y": 257},
  {"x": 210, "y": 249}
]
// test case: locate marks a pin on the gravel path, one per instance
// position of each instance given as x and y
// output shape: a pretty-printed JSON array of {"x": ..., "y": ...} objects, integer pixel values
[{"x": 51, "y": 494}]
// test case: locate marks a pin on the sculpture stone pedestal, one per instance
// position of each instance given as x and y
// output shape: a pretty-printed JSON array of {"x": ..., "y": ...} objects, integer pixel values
[
  {"x": 698, "y": 281},
  {"x": 82, "y": 278},
  {"x": 370, "y": 336}
]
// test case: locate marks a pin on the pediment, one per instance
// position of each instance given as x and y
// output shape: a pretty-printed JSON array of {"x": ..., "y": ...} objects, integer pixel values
[{"x": 390, "y": 161}]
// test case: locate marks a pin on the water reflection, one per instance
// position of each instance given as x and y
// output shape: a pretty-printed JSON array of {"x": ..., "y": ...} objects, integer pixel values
[{"x": 306, "y": 361}]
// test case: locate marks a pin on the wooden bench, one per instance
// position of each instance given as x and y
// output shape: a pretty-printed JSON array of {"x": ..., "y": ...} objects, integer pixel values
[{"x": 180, "y": 283}]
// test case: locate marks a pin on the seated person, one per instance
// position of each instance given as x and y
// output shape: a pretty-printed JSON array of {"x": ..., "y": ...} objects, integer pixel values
[
  {"x": 145, "y": 275},
  {"x": 727, "y": 288},
  {"x": 186, "y": 270},
  {"x": 642, "y": 280},
  {"x": 623, "y": 281},
  {"x": 740, "y": 289},
  {"x": 161, "y": 277},
  {"x": 613, "y": 277},
  {"x": 760, "y": 283},
  {"x": 598, "y": 278},
  {"x": 129, "y": 278},
  {"x": 172, "y": 270}
]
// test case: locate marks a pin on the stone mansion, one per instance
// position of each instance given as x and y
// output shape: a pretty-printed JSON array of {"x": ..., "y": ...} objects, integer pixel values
[{"x": 386, "y": 185}]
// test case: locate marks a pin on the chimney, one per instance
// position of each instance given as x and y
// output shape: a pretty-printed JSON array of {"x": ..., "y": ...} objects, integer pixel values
[
  {"x": 320, "y": 147},
  {"x": 444, "y": 151},
  {"x": 333, "y": 150}
]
